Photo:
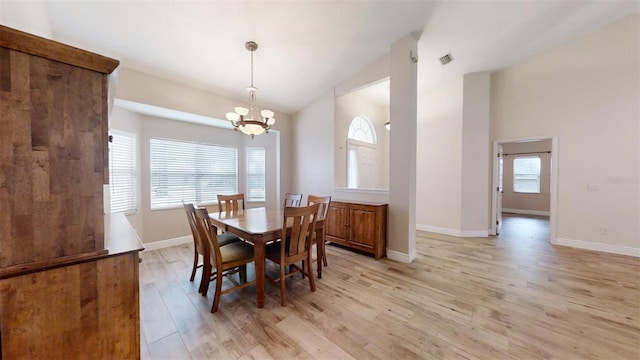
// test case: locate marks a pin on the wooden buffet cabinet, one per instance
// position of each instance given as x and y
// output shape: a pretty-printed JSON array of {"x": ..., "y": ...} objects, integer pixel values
[
  {"x": 68, "y": 272},
  {"x": 358, "y": 225}
]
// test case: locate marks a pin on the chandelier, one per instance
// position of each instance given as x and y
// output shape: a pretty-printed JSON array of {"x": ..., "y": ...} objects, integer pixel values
[{"x": 247, "y": 119}]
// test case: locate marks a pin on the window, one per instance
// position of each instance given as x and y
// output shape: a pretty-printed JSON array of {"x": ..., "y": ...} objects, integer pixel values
[
  {"x": 526, "y": 175},
  {"x": 362, "y": 163},
  {"x": 122, "y": 172},
  {"x": 190, "y": 172},
  {"x": 361, "y": 129},
  {"x": 255, "y": 174}
]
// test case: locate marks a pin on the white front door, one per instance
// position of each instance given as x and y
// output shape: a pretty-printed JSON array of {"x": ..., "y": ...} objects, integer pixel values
[
  {"x": 496, "y": 197},
  {"x": 499, "y": 188}
]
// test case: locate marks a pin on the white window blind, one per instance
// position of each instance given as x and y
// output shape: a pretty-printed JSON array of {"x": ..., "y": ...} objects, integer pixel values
[
  {"x": 526, "y": 175},
  {"x": 190, "y": 172},
  {"x": 256, "y": 174},
  {"x": 122, "y": 172}
]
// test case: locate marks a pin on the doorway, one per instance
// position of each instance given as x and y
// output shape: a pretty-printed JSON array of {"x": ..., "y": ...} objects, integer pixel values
[{"x": 497, "y": 198}]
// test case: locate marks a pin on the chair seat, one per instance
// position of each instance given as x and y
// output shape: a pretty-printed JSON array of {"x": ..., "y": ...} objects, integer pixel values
[
  {"x": 227, "y": 238},
  {"x": 236, "y": 251},
  {"x": 272, "y": 251}
]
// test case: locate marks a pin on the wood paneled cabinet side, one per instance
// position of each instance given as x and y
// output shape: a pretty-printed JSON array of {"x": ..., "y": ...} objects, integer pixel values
[
  {"x": 53, "y": 143},
  {"x": 358, "y": 225},
  {"x": 68, "y": 285}
]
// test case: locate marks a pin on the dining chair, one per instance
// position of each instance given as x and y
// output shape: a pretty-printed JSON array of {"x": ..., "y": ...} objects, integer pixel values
[
  {"x": 292, "y": 200},
  {"x": 228, "y": 203},
  {"x": 222, "y": 261},
  {"x": 294, "y": 246},
  {"x": 322, "y": 215},
  {"x": 198, "y": 247}
]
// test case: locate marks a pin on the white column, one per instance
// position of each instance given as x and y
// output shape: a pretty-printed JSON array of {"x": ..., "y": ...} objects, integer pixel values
[{"x": 402, "y": 158}]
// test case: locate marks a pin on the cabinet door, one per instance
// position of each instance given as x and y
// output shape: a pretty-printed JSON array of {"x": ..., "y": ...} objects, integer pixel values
[
  {"x": 336, "y": 222},
  {"x": 363, "y": 227},
  {"x": 52, "y": 122}
]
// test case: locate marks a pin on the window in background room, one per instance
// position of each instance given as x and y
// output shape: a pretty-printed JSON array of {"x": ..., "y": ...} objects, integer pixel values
[
  {"x": 256, "y": 174},
  {"x": 190, "y": 172},
  {"x": 362, "y": 158},
  {"x": 361, "y": 129},
  {"x": 526, "y": 175},
  {"x": 122, "y": 172}
]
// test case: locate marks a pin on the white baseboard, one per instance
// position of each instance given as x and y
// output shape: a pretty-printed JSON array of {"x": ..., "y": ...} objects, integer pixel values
[
  {"x": 155, "y": 245},
  {"x": 401, "y": 257},
  {"x": 453, "y": 232},
  {"x": 608, "y": 248},
  {"x": 526, "y": 212}
]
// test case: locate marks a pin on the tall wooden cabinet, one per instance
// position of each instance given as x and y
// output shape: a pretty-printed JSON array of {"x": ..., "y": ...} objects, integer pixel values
[
  {"x": 358, "y": 225},
  {"x": 68, "y": 273}
]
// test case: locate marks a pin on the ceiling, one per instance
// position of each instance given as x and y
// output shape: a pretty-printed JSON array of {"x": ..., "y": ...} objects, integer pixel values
[{"x": 307, "y": 47}]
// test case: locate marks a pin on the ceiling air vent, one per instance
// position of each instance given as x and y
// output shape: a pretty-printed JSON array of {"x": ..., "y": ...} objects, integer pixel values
[{"x": 446, "y": 59}]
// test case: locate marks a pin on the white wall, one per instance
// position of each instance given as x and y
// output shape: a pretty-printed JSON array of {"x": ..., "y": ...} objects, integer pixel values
[
  {"x": 476, "y": 148},
  {"x": 439, "y": 164},
  {"x": 313, "y": 152},
  {"x": 453, "y": 157},
  {"x": 27, "y": 16},
  {"x": 587, "y": 93}
]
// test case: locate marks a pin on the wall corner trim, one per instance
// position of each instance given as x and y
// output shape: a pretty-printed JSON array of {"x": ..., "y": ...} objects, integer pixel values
[
  {"x": 155, "y": 245},
  {"x": 590, "y": 245},
  {"x": 453, "y": 232},
  {"x": 401, "y": 257},
  {"x": 526, "y": 212}
]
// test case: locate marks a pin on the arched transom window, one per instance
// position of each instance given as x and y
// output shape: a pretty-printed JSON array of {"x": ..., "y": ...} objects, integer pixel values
[{"x": 361, "y": 129}]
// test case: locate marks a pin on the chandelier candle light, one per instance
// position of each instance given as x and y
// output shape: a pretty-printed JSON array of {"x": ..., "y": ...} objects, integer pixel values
[{"x": 245, "y": 119}]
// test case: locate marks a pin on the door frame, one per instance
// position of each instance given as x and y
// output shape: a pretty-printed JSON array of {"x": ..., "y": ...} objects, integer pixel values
[{"x": 553, "y": 206}]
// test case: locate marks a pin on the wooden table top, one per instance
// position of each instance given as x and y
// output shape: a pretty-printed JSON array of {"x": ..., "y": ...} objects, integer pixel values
[{"x": 256, "y": 224}]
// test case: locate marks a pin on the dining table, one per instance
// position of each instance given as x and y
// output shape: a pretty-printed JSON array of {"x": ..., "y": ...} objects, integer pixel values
[{"x": 261, "y": 226}]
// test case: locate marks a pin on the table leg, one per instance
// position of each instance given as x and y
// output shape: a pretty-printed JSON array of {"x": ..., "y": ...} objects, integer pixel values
[
  {"x": 259, "y": 254},
  {"x": 319, "y": 250}
]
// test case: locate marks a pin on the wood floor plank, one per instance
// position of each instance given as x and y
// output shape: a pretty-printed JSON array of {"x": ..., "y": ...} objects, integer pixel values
[
  {"x": 310, "y": 339},
  {"x": 514, "y": 296}
]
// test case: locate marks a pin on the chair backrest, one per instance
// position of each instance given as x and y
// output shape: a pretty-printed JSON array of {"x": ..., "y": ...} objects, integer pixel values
[
  {"x": 209, "y": 238},
  {"x": 303, "y": 226},
  {"x": 292, "y": 200},
  {"x": 228, "y": 203},
  {"x": 190, "y": 210},
  {"x": 324, "y": 204}
]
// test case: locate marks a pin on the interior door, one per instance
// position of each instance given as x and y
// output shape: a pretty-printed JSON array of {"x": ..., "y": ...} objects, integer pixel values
[
  {"x": 496, "y": 195},
  {"x": 499, "y": 189}
]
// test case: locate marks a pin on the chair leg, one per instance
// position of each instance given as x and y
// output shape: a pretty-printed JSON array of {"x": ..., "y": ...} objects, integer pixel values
[
  {"x": 195, "y": 264},
  {"x": 324, "y": 253},
  {"x": 310, "y": 273},
  {"x": 243, "y": 273},
  {"x": 216, "y": 296},
  {"x": 283, "y": 291},
  {"x": 205, "y": 280}
]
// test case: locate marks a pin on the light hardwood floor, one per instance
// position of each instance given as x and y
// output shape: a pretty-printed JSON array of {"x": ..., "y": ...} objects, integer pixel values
[{"x": 514, "y": 296}]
